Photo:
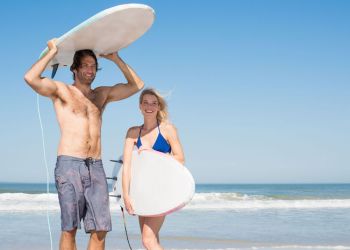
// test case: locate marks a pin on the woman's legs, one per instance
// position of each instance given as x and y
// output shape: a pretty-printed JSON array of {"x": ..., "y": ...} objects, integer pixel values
[{"x": 150, "y": 227}]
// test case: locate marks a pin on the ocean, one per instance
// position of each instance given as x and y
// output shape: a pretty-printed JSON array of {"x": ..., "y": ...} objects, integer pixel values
[{"x": 220, "y": 216}]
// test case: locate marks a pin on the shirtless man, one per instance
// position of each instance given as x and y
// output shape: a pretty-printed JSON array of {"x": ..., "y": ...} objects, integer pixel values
[{"x": 79, "y": 175}]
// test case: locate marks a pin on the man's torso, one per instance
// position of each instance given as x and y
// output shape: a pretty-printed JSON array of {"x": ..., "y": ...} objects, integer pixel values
[{"x": 80, "y": 121}]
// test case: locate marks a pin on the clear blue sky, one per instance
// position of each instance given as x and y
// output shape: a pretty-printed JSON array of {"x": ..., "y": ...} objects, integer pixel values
[{"x": 260, "y": 90}]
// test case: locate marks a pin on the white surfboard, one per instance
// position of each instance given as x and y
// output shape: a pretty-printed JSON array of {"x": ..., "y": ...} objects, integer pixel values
[
  {"x": 104, "y": 33},
  {"x": 159, "y": 184}
]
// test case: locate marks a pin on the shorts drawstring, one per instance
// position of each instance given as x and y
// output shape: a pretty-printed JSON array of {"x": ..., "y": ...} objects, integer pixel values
[{"x": 89, "y": 161}]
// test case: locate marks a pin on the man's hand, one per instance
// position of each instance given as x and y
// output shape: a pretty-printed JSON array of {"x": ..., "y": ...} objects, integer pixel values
[
  {"x": 52, "y": 45},
  {"x": 112, "y": 56}
]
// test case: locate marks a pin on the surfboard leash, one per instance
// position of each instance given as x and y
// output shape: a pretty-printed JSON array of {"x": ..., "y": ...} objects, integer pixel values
[
  {"x": 121, "y": 208},
  {"x": 47, "y": 170},
  {"x": 126, "y": 232}
]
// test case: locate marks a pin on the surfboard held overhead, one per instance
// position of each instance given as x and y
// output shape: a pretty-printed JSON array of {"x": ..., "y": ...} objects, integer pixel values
[{"x": 106, "y": 32}]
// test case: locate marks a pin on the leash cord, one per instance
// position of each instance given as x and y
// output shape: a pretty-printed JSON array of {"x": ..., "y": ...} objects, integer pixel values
[
  {"x": 126, "y": 232},
  {"x": 47, "y": 170}
]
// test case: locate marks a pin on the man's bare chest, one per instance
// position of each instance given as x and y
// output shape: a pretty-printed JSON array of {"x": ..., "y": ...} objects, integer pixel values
[{"x": 80, "y": 104}]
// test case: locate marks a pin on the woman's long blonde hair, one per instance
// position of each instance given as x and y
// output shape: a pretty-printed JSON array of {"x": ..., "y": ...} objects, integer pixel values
[{"x": 162, "y": 114}]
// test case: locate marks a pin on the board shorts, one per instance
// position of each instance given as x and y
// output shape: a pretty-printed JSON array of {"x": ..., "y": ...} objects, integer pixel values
[{"x": 82, "y": 193}]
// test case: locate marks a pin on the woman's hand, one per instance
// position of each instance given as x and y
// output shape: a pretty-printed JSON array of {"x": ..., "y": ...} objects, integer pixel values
[{"x": 128, "y": 205}]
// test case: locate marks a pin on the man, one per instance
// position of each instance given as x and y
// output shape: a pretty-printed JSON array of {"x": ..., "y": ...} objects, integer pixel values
[{"x": 79, "y": 175}]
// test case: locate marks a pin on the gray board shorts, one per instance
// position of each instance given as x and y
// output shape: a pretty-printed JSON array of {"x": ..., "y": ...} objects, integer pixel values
[{"x": 82, "y": 193}]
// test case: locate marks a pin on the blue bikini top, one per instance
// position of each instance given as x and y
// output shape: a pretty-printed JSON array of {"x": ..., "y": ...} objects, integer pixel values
[{"x": 160, "y": 144}]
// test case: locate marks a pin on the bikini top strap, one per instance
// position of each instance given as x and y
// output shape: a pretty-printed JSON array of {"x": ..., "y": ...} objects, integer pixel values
[
  {"x": 140, "y": 131},
  {"x": 158, "y": 126}
]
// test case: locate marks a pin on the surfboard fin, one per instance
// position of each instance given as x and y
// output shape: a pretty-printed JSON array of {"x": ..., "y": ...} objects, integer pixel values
[
  {"x": 117, "y": 161},
  {"x": 112, "y": 178},
  {"x": 117, "y": 196},
  {"x": 54, "y": 70}
]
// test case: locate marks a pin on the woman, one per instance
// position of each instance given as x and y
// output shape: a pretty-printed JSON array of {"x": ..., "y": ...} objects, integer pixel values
[{"x": 158, "y": 134}]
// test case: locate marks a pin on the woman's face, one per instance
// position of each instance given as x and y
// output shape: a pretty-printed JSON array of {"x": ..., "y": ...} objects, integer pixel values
[{"x": 149, "y": 105}]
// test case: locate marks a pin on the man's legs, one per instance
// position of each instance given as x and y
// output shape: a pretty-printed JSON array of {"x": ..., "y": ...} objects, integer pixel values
[
  {"x": 97, "y": 240},
  {"x": 71, "y": 198},
  {"x": 67, "y": 241},
  {"x": 97, "y": 218}
]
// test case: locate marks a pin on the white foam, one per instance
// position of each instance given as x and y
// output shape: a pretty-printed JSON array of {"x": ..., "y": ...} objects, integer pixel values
[
  {"x": 17, "y": 202},
  {"x": 275, "y": 247},
  {"x": 303, "y": 247},
  {"x": 234, "y": 201}
]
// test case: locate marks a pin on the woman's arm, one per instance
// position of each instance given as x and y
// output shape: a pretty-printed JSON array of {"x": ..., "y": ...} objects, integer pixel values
[
  {"x": 175, "y": 144},
  {"x": 128, "y": 148}
]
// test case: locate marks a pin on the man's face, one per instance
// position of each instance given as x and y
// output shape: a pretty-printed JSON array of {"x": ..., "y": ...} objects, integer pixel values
[{"x": 87, "y": 71}]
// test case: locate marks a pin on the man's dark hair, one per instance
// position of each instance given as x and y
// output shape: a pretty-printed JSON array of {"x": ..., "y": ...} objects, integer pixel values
[{"x": 77, "y": 59}]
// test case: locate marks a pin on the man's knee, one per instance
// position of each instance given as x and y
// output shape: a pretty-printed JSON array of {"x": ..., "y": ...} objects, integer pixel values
[
  {"x": 69, "y": 234},
  {"x": 98, "y": 235}
]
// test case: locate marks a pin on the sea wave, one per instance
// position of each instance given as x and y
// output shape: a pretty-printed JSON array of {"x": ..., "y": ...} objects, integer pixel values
[
  {"x": 233, "y": 201},
  {"x": 287, "y": 247},
  {"x": 17, "y": 202},
  {"x": 318, "y": 247}
]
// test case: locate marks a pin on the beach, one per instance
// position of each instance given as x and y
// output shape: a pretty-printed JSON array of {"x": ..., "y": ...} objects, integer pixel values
[
  {"x": 296, "y": 216},
  {"x": 258, "y": 92}
]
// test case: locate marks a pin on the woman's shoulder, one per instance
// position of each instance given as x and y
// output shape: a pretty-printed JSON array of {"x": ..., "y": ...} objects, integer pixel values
[
  {"x": 168, "y": 127},
  {"x": 134, "y": 131}
]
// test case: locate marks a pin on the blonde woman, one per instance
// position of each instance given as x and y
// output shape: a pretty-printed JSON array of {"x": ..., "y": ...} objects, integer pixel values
[{"x": 158, "y": 134}]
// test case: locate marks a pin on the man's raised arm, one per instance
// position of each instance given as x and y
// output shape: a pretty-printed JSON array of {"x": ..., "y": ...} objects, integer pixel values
[
  {"x": 122, "y": 91},
  {"x": 42, "y": 85}
]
